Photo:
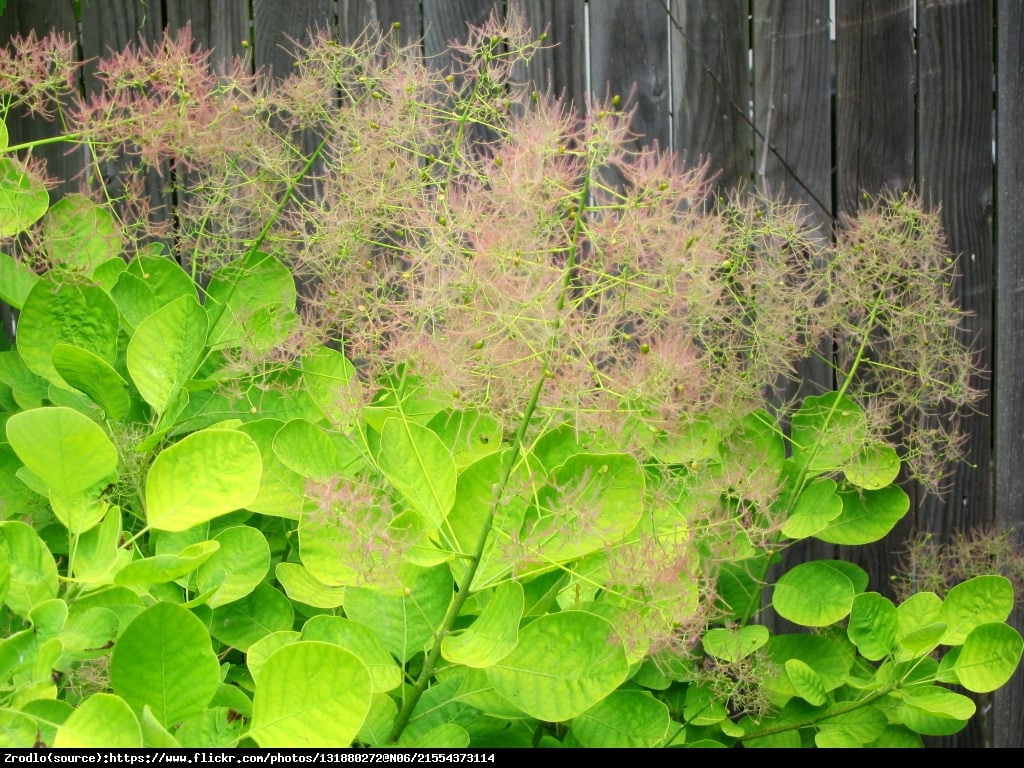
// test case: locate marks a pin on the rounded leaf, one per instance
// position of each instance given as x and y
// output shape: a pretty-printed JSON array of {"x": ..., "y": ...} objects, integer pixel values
[
  {"x": 624, "y": 719},
  {"x": 31, "y": 570},
  {"x": 65, "y": 449},
  {"x": 493, "y": 634},
  {"x": 564, "y": 664},
  {"x": 735, "y": 644},
  {"x": 79, "y": 233},
  {"x": 310, "y": 694},
  {"x": 242, "y": 622},
  {"x": 989, "y": 657},
  {"x": 165, "y": 350},
  {"x": 237, "y": 567},
  {"x": 814, "y": 594},
  {"x": 873, "y": 625},
  {"x": 205, "y": 475},
  {"x": 164, "y": 659},
  {"x": 23, "y": 198},
  {"x": 103, "y": 721},
  {"x": 974, "y": 602}
]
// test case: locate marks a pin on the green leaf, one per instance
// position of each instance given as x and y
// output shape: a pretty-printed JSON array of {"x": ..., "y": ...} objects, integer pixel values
[
  {"x": 302, "y": 587},
  {"x": 91, "y": 374},
  {"x": 814, "y": 594},
  {"x": 493, "y": 634},
  {"x": 16, "y": 281},
  {"x": 251, "y": 304},
  {"x": 32, "y": 572},
  {"x": 23, "y": 198},
  {"x": 68, "y": 452},
  {"x": 165, "y": 350},
  {"x": 163, "y": 568},
  {"x": 695, "y": 440},
  {"x": 97, "y": 553},
  {"x": 385, "y": 674},
  {"x": 827, "y": 432},
  {"x": 624, "y": 719},
  {"x": 332, "y": 382},
  {"x": 917, "y": 611},
  {"x": 147, "y": 284},
  {"x": 205, "y": 475},
  {"x": 873, "y": 625},
  {"x": 405, "y": 623},
  {"x": 867, "y": 516},
  {"x": 80, "y": 234},
  {"x": 258, "y": 653},
  {"x": 564, "y": 664},
  {"x": 816, "y": 506},
  {"x": 989, "y": 657},
  {"x": 236, "y": 568},
  {"x": 977, "y": 601},
  {"x": 806, "y": 682},
  {"x": 164, "y": 659},
  {"x": 590, "y": 501},
  {"x": 756, "y": 447},
  {"x": 307, "y": 450},
  {"x": 261, "y": 612},
  {"x": 417, "y": 463},
  {"x": 310, "y": 694},
  {"x": 469, "y": 435},
  {"x": 873, "y": 467},
  {"x": 858, "y": 728},
  {"x": 82, "y": 316},
  {"x": 102, "y": 721},
  {"x": 936, "y": 700},
  {"x": 282, "y": 490},
  {"x": 830, "y": 660},
  {"x": 735, "y": 644}
]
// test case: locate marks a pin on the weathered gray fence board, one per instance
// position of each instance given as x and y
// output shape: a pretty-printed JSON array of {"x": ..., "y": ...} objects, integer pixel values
[
  {"x": 711, "y": 86},
  {"x": 559, "y": 68},
  {"x": 1008, "y": 381},
  {"x": 875, "y": 83},
  {"x": 629, "y": 59},
  {"x": 955, "y": 171},
  {"x": 792, "y": 103},
  {"x": 218, "y": 26}
]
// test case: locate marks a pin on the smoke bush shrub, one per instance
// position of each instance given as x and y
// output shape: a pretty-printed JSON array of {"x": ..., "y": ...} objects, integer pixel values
[{"x": 390, "y": 404}]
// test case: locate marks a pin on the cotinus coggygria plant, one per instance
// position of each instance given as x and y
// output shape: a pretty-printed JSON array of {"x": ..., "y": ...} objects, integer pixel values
[{"x": 390, "y": 404}]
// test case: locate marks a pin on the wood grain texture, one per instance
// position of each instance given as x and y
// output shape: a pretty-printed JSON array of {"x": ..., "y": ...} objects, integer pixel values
[
  {"x": 560, "y": 67},
  {"x": 875, "y": 82},
  {"x": 629, "y": 58},
  {"x": 711, "y": 97},
  {"x": 1008, "y": 378}
]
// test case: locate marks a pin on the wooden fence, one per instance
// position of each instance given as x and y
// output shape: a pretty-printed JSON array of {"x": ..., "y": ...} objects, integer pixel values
[{"x": 816, "y": 99}]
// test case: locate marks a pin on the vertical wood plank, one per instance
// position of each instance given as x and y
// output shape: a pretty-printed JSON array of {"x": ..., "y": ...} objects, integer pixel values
[
  {"x": 559, "y": 70},
  {"x": 629, "y": 59},
  {"x": 875, "y": 152},
  {"x": 278, "y": 27},
  {"x": 218, "y": 26},
  {"x": 354, "y": 16},
  {"x": 448, "y": 20},
  {"x": 955, "y": 170},
  {"x": 1008, "y": 379},
  {"x": 710, "y": 43},
  {"x": 792, "y": 103},
  {"x": 875, "y": 82}
]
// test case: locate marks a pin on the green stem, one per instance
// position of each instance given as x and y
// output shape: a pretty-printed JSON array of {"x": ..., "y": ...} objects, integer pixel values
[{"x": 829, "y": 713}]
